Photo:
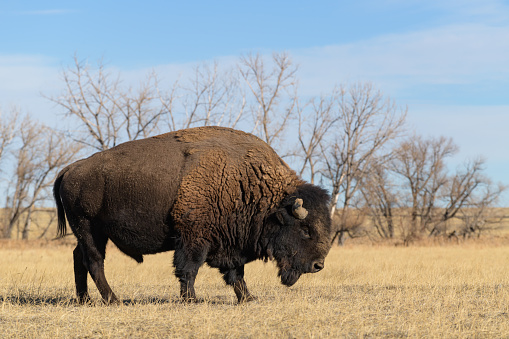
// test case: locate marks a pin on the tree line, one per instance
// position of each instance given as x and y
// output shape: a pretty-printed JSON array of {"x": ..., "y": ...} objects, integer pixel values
[{"x": 385, "y": 181}]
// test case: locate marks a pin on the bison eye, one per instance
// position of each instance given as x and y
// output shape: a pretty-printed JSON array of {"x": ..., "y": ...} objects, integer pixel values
[{"x": 305, "y": 233}]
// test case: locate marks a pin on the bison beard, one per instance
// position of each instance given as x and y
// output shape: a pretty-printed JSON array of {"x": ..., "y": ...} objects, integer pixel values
[
  {"x": 213, "y": 195},
  {"x": 289, "y": 276}
]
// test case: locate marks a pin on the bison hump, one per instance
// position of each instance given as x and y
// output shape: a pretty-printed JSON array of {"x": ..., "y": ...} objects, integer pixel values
[{"x": 229, "y": 187}]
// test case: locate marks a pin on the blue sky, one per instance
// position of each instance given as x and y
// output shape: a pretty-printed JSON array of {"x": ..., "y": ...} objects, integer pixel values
[{"x": 447, "y": 60}]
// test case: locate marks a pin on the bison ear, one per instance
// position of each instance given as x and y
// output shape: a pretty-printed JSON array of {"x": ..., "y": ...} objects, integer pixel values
[{"x": 298, "y": 211}]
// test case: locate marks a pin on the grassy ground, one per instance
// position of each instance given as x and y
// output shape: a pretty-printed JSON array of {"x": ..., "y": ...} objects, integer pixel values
[{"x": 364, "y": 291}]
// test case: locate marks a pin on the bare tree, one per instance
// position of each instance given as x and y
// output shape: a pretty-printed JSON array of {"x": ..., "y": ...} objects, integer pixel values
[
  {"x": 314, "y": 126},
  {"x": 268, "y": 86},
  {"x": 456, "y": 193},
  {"x": 421, "y": 164},
  {"x": 109, "y": 113},
  {"x": 38, "y": 154},
  {"x": 416, "y": 191},
  {"x": 8, "y": 126},
  {"x": 212, "y": 97},
  {"x": 43, "y": 219},
  {"x": 367, "y": 121},
  {"x": 381, "y": 199},
  {"x": 481, "y": 216}
]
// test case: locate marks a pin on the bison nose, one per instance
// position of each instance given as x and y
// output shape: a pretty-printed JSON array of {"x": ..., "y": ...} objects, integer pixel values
[{"x": 317, "y": 266}]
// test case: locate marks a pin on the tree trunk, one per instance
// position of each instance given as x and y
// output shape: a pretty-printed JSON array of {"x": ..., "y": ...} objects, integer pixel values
[
  {"x": 341, "y": 237},
  {"x": 28, "y": 223}
]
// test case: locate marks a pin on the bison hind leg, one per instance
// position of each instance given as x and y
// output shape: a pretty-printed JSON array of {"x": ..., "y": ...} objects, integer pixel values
[
  {"x": 235, "y": 278},
  {"x": 90, "y": 254},
  {"x": 80, "y": 276}
]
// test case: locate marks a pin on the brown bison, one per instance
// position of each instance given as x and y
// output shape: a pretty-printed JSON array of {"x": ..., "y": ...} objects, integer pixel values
[{"x": 213, "y": 195}]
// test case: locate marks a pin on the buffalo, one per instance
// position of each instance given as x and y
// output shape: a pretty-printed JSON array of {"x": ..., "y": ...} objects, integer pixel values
[{"x": 213, "y": 195}]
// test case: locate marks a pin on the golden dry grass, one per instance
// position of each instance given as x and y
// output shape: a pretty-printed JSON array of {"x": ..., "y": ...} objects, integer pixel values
[{"x": 364, "y": 291}]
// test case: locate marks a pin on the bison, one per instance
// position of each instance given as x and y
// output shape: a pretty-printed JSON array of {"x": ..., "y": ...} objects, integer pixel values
[{"x": 213, "y": 195}]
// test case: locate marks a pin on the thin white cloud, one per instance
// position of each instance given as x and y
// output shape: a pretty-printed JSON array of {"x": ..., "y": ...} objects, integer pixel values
[
  {"x": 26, "y": 73},
  {"x": 479, "y": 130},
  {"x": 469, "y": 55},
  {"x": 467, "y": 43},
  {"x": 458, "y": 54},
  {"x": 23, "y": 79},
  {"x": 487, "y": 11}
]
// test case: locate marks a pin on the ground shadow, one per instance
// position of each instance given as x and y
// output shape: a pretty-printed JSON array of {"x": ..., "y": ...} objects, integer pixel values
[
  {"x": 36, "y": 300},
  {"x": 216, "y": 300},
  {"x": 146, "y": 300}
]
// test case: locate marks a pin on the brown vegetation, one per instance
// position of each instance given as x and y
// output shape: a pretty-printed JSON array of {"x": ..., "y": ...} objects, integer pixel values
[{"x": 364, "y": 291}]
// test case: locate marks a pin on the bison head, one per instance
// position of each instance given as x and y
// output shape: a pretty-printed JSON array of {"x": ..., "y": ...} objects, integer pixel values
[{"x": 302, "y": 233}]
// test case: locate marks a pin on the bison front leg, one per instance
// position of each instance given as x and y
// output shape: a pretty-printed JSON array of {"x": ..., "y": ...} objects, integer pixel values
[
  {"x": 240, "y": 289},
  {"x": 186, "y": 265},
  {"x": 187, "y": 279},
  {"x": 235, "y": 278}
]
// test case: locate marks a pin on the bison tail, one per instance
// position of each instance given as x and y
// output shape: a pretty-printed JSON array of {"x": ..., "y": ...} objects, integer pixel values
[{"x": 62, "y": 226}]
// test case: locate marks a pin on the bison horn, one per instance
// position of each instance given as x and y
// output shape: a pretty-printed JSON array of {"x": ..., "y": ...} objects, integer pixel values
[{"x": 298, "y": 211}]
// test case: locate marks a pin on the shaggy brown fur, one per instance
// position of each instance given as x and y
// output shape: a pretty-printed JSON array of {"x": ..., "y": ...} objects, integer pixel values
[{"x": 212, "y": 194}]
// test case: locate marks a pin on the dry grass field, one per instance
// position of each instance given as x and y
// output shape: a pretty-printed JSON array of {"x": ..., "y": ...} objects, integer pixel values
[{"x": 364, "y": 291}]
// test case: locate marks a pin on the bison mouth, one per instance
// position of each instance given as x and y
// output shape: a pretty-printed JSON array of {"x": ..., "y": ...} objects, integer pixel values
[{"x": 289, "y": 276}]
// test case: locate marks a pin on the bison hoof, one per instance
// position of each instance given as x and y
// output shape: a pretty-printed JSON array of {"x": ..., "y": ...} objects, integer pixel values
[
  {"x": 188, "y": 299},
  {"x": 247, "y": 298},
  {"x": 82, "y": 300},
  {"x": 112, "y": 301}
]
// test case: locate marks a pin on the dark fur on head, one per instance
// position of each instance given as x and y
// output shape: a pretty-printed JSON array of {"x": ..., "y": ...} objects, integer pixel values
[{"x": 298, "y": 245}]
